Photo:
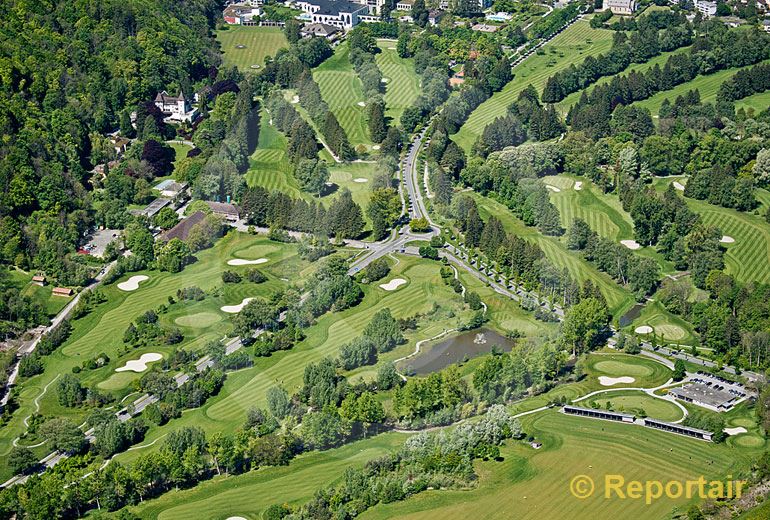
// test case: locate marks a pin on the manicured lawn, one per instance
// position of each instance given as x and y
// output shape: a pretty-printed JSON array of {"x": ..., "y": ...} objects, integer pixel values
[
  {"x": 556, "y": 251},
  {"x": 746, "y": 258},
  {"x": 758, "y": 102},
  {"x": 646, "y": 372},
  {"x": 102, "y": 330},
  {"x": 708, "y": 86},
  {"x": 565, "y": 104},
  {"x": 570, "y": 47},
  {"x": 351, "y": 176},
  {"x": 637, "y": 403},
  {"x": 534, "y": 484},
  {"x": 403, "y": 84},
  {"x": 342, "y": 91},
  {"x": 666, "y": 325},
  {"x": 249, "y": 494},
  {"x": 268, "y": 165},
  {"x": 257, "y": 42}
]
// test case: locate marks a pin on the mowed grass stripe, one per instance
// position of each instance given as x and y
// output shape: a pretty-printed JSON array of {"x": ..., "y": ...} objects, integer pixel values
[
  {"x": 707, "y": 85},
  {"x": 259, "y": 42},
  {"x": 555, "y": 250},
  {"x": 403, "y": 85},
  {"x": 570, "y": 47},
  {"x": 342, "y": 91},
  {"x": 268, "y": 165},
  {"x": 747, "y": 258}
]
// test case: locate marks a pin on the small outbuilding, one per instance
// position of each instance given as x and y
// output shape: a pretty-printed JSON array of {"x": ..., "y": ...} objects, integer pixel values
[
  {"x": 39, "y": 279},
  {"x": 62, "y": 291}
]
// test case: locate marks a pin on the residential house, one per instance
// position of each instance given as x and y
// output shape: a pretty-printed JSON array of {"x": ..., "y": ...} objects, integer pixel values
[
  {"x": 323, "y": 30},
  {"x": 240, "y": 14},
  {"x": 620, "y": 6},
  {"x": 183, "y": 228},
  {"x": 706, "y": 7},
  {"x": 175, "y": 108},
  {"x": 229, "y": 212}
]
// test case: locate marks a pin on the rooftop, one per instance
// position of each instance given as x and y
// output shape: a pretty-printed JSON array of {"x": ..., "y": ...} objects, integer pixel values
[{"x": 182, "y": 230}]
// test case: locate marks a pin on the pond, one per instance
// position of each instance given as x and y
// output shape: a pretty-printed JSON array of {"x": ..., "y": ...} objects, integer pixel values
[
  {"x": 633, "y": 313},
  {"x": 456, "y": 349}
]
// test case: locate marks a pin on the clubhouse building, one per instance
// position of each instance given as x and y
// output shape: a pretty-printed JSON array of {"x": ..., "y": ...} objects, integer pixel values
[{"x": 338, "y": 13}]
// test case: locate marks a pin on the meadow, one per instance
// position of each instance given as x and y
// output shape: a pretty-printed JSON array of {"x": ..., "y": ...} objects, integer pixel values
[
  {"x": 257, "y": 42},
  {"x": 22, "y": 280},
  {"x": 556, "y": 251},
  {"x": 402, "y": 86},
  {"x": 343, "y": 92},
  {"x": 570, "y": 47}
]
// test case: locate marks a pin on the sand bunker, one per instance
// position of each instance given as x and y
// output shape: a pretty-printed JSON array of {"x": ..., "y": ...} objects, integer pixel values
[
  {"x": 552, "y": 188},
  {"x": 140, "y": 365},
  {"x": 295, "y": 99},
  {"x": 643, "y": 329},
  {"x": 360, "y": 179},
  {"x": 361, "y": 104},
  {"x": 132, "y": 283},
  {"x": 735, "y": 431},
  {"x": 255, "y": 66},
  {"x": 578, "y": 185},
  {"x": 678, "y": 186},
  {"x": 235, "y": 518},
  {"x": 392, "y": 285},
  {"x": 241, "y": 261},
  {"x": 609, "y": 381},
  {"x": 376, "y": 147},
  {"x": 385, "y": 80},
  {"x": 233, "y": 309},
  {"x": 727, "y": 240},
  {"x": 631, "y": 244},
  {"x": 391, "y": 48}
]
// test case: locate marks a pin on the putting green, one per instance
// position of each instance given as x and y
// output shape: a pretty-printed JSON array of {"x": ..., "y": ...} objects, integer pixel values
[
  {"x": 672, "y": 332},
  {"x": 620, "y": 368},
  {"x": 747, "y": 440},
  {"x": 742, "y": 421},
  {"x": 256, "y": 251},
  {"x": 639, "y": 403},
  {"x": 199, "y": 320}
]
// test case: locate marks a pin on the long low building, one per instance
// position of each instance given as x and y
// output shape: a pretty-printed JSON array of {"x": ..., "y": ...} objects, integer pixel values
[
  {"x": 678, "y": 429},
  {"x": 599, "y": 414}
]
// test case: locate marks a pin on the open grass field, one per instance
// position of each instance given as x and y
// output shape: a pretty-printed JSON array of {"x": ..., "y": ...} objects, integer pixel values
[
  {"x": 403, "y": 84},
  {"x": 647, "y": 373},
  {"x": 534, "y": 484},
  {"x": 747, "y": 258},
  {"x": 570, "y": 47},
  {"x": 257, "y": 42},
  {"x": 102, "y": 330},
  {"x": 555, "y": 250},
  {"x": 708, "y": 86},
  {"x": 22, "y": 280},
  {"x": 268, "y": 165},
  {"x": 342, "y": 91}
]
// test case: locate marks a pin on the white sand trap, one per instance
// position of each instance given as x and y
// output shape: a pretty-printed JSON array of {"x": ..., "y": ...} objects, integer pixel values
[
  {"x": 361, "y": 179},
  {"x": 631, "y": 244},
  {"x": 643, "y": 329},
  {"x": 735, "y": 431},
  {"x": 233, "y": 309},
  {"x": 609, "y": 381},
  {"x": 241, "y": 261},
  {"x": 361, "y": 104},
  {"x": 255, "y": 66},
  {"x": 376, "y": 147},
  {"x": 391, "y": 48},
  {"x": 578, "y": 185},
  {"x": 295, "y": 99},
  {"x": 727, "y": 240},
  {"x": 678, "y": 186},
  {"x": 132, "y": 283},
  {"x": 385, "y": 80},
  {"x": 235, "y": 518},
  {"x": 552, "y": 188},
  {"x": 392, "y": 285},
  {"x": 140, "y": 365}
]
